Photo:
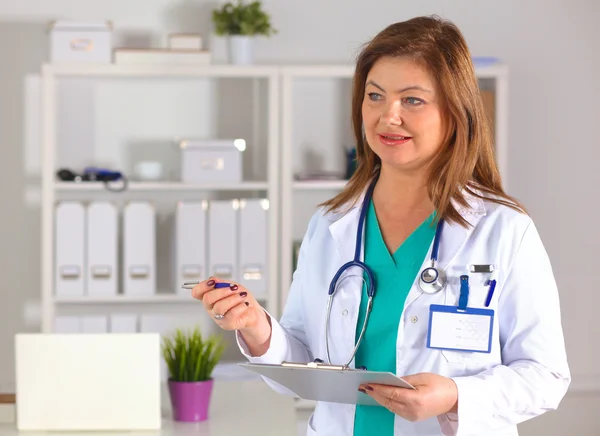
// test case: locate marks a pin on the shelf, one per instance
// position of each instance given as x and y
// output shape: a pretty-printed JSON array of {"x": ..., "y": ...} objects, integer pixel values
[
  {"x": 115, "y": 70},
  {"x": 319, "y": 185},
  {"x": 161, "y": 186},
  {"x": 132, "y": 299},
  {"x": 347, "y": 71},
  {"x": 225, "y": 70}
]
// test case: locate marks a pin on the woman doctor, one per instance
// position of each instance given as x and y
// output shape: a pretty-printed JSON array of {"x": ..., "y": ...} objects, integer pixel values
[{"x": 465, "y": 306}]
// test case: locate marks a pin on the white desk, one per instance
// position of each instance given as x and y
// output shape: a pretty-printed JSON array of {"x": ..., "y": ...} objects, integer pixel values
[{"x": 248, "y": 408}]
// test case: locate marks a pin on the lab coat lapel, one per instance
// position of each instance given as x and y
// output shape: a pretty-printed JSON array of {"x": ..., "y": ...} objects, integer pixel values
[
  {"x": 453, "y": 238},
  {"x": 343, "y": 231},
  {"x": 346, "y": 302}
]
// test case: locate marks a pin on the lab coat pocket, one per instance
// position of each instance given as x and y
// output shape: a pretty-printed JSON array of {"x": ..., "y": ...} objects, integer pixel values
[
  {"x": 478, "y": 291},
  {"x": 458, "y": 356},
  {"x": 310, "y": 428}
]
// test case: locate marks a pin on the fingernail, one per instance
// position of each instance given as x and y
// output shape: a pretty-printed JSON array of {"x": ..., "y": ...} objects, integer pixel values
[
  {"x": 243, "y": 294},
  {"x": 362, "y": 390},
  {"x": 369, "y": 388},
  {"x": 234, "y": 287},
  {"x": 210, "y": 283},
  {"x": 246, "y": 303}
]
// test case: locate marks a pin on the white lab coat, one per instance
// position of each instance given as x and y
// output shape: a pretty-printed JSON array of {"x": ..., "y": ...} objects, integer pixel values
[{"x": 526, "y": 373}]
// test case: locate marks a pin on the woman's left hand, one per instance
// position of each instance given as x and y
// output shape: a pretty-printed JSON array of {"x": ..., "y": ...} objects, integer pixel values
[{"x": 433, "y": 395}]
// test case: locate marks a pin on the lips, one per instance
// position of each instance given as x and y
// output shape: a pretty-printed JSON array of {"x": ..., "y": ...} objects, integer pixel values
[{"x": 391, "y": 140}]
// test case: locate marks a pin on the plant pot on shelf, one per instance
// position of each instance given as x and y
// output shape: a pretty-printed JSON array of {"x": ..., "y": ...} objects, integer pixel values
[
  {"x": 241, "y": 49},
  {"x": 190, "y": 401}
]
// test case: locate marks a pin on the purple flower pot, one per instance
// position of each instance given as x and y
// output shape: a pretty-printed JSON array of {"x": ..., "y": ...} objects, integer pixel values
[{"x": 190, "y": 400}]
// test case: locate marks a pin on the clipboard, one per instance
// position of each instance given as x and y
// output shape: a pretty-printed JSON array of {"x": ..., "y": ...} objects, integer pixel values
[{"x": 322, "y": 382}]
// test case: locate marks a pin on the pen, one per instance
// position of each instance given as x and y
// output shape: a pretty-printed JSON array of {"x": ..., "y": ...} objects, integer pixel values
[
  {"x": 190, "y": 285},
  {"x": 463, "y": 299},
  {"x": 492, "y": 283}
]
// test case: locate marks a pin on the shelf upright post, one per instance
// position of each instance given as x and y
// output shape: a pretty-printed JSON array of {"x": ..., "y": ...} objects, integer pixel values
[{"x": 47, "y": 153}]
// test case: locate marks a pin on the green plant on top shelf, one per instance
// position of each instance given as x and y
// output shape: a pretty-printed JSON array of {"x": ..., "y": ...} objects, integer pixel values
[
  {"x": 242, "y": 19},
  {"x": 190, "y": 357}
]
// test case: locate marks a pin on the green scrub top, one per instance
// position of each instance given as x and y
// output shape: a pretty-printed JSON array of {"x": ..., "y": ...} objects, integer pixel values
[{"x": 394, "y": 276}]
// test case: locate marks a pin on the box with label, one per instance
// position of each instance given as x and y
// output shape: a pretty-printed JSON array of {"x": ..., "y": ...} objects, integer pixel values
[
  {"x": 212, "y": 160},
  {"x": 72, "y": 42}
]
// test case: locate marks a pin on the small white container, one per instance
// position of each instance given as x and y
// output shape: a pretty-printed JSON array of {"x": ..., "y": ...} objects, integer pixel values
[
  {"x": 72, "y": 41},
  {"x": 241, "y": 49},
  {"x": 212, "y": 160},
  {"x": 148, "y": 170}
]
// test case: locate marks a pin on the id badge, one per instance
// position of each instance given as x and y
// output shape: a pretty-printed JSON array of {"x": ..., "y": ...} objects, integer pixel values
[{"x": 452, "y": 328}]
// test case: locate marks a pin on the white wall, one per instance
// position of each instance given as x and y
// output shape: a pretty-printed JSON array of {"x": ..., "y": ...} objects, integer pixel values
[{"x": 551, "y": 47}]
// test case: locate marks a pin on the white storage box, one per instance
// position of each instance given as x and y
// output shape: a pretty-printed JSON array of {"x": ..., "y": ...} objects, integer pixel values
[
  {"x": 185, "y": 41},
  {"x": 212, "y": 160},
  {"x": 80, "y": 42}
]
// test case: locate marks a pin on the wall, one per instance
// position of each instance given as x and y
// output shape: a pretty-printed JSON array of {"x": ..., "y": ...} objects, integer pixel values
[{"x": 551, "y": 48}]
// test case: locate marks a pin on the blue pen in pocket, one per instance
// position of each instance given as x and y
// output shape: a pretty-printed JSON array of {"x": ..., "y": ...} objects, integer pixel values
[{"x": 492, "y": 284}]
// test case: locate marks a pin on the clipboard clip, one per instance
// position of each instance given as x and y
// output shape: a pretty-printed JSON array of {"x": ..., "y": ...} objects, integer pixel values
[{"x": 317, "y": 364}]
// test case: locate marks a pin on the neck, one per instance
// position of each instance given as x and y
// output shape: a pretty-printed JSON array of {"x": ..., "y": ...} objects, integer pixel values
[{"x": 402, "y": 193}]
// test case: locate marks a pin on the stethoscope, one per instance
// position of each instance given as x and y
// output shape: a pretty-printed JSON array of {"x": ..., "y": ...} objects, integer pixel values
[{"x": 431, "y": 279}]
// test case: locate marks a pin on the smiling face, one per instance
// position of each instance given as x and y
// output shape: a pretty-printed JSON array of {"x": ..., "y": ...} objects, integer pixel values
[{"x": 402, "y": 114}]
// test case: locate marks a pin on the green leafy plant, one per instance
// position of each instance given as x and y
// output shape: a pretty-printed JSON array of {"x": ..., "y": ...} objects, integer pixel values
[
  {"x": 242, "y": 19},
  {"x": 190, "y": 357}
]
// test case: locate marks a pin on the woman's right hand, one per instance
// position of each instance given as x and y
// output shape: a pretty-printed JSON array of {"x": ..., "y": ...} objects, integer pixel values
[{"x": 239, "y": 310}]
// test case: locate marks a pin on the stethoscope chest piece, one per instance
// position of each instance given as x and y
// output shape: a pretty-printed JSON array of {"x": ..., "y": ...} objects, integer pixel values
[{"x": 432, "y": 280}]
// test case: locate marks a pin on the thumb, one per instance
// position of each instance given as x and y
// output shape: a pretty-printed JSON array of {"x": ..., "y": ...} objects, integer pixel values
[{"x": 416, "y": 379}]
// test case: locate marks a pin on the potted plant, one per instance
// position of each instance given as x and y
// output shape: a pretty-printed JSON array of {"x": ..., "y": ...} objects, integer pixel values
[
  {"x": 191, "y": 360},
  {"x": 242, "y": 23}
]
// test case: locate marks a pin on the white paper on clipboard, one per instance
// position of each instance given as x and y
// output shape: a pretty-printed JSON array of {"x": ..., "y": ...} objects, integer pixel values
[{"x": 326, "y": 383}]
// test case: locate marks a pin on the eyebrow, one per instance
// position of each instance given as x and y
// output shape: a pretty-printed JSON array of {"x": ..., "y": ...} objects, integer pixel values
[{"x": 406, "y": 88}]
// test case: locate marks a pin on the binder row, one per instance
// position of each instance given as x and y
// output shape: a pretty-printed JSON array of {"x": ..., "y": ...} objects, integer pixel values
[{"x": 223, "y": 238}]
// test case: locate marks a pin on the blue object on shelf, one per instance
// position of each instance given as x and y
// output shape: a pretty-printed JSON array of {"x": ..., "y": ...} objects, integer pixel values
[
  {"x": 351, "y": 163},
  {"x": 483, "y": 61}
]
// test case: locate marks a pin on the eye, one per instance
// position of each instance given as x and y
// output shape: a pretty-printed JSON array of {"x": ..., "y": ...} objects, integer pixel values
[
  {"x": 373, "y": 96},
  {"x": 413, "y": 101}
]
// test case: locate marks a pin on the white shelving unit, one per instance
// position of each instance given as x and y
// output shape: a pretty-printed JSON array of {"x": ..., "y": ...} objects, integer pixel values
[
  {"x": 279, "y": 186},
  {"x": 53, "y": 190},
  {"x": 495, "y": 76}
]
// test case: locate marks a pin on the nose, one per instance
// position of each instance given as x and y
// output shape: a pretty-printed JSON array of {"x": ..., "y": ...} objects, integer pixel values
[{"x": 392, "y": 113}]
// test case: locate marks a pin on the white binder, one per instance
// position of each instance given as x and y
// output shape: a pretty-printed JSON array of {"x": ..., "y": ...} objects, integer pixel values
[
  {"x": 223, "y": 239},
  {"x": 102, "y": 249},
  {"x": 70, "y": 249},
  {"x": 253, "y": 244},
  {"x": 139, "y": 249},
  {"x": 190, "y": 243},
  {"x": 67, "y": 324},
  {"x": 94, "y": 324},
  {"x": 123, "y": 323}
]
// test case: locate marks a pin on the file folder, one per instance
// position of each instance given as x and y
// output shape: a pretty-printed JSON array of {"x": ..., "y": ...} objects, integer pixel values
[
  {"x": 102, "y": 249},
  {"x": 190, "y": 243},
  {"x": 69, "y": 273},
  {"x": 223, "y": 239},
  {"x": 123, "y": 323},
  {"x": 139, "y": 249},
  {"x": 94, "y": 324},
  {"x": 328, "y": 383},
  {"x": 67, "y": 324},
  {"x": 253, "y": 245}
]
